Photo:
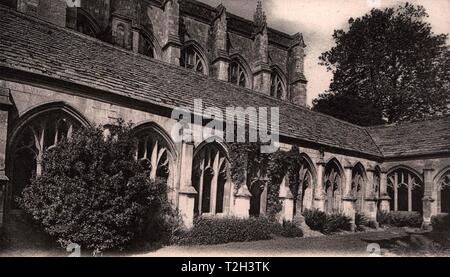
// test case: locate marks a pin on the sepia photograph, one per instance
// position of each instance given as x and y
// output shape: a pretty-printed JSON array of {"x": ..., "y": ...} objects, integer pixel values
[{"x": 224, "y": 128}]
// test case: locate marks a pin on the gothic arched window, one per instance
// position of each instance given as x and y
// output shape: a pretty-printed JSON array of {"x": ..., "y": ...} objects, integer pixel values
[
  {"x": 210, "y": 179},
  {"x": 277, "y": 88},
  {"x": 304, "y": 192},
  {"x": 147, "y": 48},
  {"x": 333, "y": 187},
  {"x": 155, "y": 153},
  {"x": 86, "y": 24},
  {"x": 40, "y": 134},
  {"x": 237, "y": 74},
  {"x": 444, "y": 193},
  {"x": 358, "y": 183},
  {"x": 405, "y": 190},
  {"x": 191, "y": 59}
]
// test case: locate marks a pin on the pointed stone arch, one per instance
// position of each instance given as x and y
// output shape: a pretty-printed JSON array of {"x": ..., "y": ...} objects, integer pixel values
[
  {"x": 358, "y": 186},
  {"x": 212, "y": 179},
  {"x": 156, "y": 151},
  {"x": 278, "y": 87},
  {"x": 405, "y": 188},
  {"x": 149, "y": 43},
  {"x": 442, "y": 185},
  {"x": 304, "y": 196},
  {"x": 194, "y": 55},
  {"x": 37, "y": 130},
  {"x": 87, "y": 24},
  {"x": 334, "y": 181},
  {"x": 238, "y": 68}
]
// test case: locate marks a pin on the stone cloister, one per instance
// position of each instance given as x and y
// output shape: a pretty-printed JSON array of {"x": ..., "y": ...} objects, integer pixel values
[{"x": 54, "y": 80}]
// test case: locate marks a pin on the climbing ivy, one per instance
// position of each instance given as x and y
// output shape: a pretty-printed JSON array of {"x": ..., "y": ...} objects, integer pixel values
[
  {"x": 247, "y": 161},
  {"x": 282, "y": 163}
]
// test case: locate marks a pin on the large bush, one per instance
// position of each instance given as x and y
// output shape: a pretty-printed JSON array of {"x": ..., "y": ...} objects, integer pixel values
[
  {"x": 400, "y": 219},
  {"x": 93, "y": 192},
  {"x": 441, "y": 222}
]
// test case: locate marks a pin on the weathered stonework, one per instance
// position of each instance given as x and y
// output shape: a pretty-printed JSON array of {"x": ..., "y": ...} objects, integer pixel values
[{"x": 116, "y": 82}]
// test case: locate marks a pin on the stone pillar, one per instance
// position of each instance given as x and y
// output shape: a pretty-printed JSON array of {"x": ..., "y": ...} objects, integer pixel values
[
  {"x": 242, "y": 202},
  {"x": 260, "y": 67},
  {"x": 318, "y": 192},
  {"x": 287, "y": 202},
  {"x": 135, "y": 40},
  {"x": 348, "y": 200},
  {"x": 171, "y": 50},
  {"x": 5, "y": 105},
  {"x": 371, "y": 199},
  {"x": 262, "y": 78},
  {"x": 429, "y": 202},
  {"x": 221, "y": 59},
  {"x": 385, "y": 205},
  {"x": 297, "y": 79},
  {"x": 187, "y": 193}
]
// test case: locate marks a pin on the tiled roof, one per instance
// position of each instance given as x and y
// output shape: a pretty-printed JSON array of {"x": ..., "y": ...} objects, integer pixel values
[
  {"x": 413, "y": 138},
  {"x": 31, "y": 45}
]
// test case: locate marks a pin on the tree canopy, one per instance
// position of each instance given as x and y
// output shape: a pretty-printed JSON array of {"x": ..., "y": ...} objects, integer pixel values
[{"x": 387, "y": 67}]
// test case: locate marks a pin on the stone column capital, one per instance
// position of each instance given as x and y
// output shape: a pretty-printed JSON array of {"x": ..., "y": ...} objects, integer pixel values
[
  {"x": 188, "y": 191},
  {"x": 243, "y": 192}
]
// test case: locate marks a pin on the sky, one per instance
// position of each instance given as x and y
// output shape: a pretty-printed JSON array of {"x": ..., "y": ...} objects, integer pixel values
[{"x": 317, "y": 19}]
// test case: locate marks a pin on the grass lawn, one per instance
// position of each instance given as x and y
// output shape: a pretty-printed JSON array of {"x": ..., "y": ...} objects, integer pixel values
[{"x": 354, "y": 244}]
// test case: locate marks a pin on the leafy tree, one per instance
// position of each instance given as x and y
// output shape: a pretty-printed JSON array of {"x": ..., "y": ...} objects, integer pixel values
[
  {"x": 392, "y": 64},
  {"x": 93, "y": 192},
  {"x": 349, "y": 107}
]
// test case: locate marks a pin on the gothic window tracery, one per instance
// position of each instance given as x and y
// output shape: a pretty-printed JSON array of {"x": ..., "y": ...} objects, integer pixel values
[
  {"x": 444, "y": 193},
  {"x": 86, "y": 25},
  {"x": 405, "y": 190},
  {"x": 210, "y": 179},
  {"x": 237, "y": 74},
  {"x": 155, "y": 155},
  {"x": 147, "y": 48},
  {"x": 191, "y": 59},
  {"x": 357, "y": 187},
  {"x": 277, "y": 88},
  {"x": 37, "y": 136},
  {"x": 304, "y": 200},
  {"x": 333, "y": 188}
]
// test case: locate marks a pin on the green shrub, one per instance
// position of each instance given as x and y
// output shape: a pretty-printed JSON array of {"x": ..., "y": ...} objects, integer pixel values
[
  {"x": 326, "y": 223},
  {"x": 441, "y": 222},
  {"x": 93, "y": 192},
  {"x": 337, "y": 222},
  {"x": 207, "y": 231},
  {"x": 400, "y": 219},
  {"x": 383, "y": 218},
  {"x": 315, "y": 219},
  {"x": 361, "y": 220},
  {"x": 289, "y": 230}
]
